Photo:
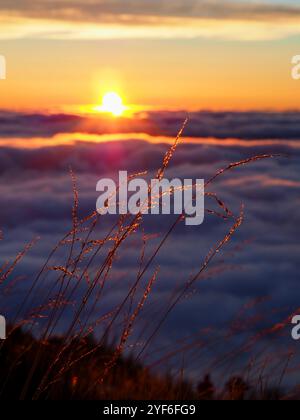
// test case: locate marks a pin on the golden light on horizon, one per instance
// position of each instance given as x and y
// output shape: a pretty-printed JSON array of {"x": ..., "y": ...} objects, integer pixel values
[{"x": 112, "y": 103}]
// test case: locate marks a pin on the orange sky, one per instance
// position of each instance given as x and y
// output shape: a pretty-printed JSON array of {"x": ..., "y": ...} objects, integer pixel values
[{"x": 171, "y": 63}]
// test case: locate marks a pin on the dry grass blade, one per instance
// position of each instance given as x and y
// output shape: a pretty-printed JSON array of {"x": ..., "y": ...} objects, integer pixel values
[
  {"x": 19, "y": 257},
  {"x": 79, "y": 284},
  {"x": 241, "y": 163}
]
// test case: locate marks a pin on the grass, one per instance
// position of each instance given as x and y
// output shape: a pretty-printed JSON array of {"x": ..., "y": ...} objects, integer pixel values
[{"x": 38, "y": 361}]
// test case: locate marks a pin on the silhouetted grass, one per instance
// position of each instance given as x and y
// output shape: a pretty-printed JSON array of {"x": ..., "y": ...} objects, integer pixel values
[{"x": 36, "y": 362}]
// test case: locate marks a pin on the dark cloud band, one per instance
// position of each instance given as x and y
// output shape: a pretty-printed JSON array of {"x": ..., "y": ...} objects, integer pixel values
[
  {"x": 220, "y": 125},
  {"x": 139, "y": 11}
]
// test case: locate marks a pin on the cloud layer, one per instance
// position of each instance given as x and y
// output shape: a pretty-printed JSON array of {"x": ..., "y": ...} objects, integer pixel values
[
  {"x": 141, "y": 11},
  {"x": 219, "y": 125},
  {"x": 149, "y": 19},
  {"x": 260, "y": 264}
]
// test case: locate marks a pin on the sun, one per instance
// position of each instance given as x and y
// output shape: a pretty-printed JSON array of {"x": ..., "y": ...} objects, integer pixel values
[{"x": 112, "y": 103}]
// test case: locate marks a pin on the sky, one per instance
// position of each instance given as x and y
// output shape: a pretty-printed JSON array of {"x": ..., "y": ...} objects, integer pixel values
[{"x": 183, "y": 54}]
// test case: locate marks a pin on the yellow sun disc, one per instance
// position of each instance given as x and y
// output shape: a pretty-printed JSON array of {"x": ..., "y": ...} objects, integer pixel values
[{"x": 113, "y": 104}]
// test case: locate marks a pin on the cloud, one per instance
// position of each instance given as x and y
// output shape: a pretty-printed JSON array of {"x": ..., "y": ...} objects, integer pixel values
[
  {"x": 142, "y": 11},
  {"x": 243, "y": 126},
  {"x": 148, "y": 19},
  {"x": 262, "y": 260}
]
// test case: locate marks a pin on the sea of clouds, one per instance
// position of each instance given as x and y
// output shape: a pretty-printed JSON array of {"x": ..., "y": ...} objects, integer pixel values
[{"x": 253, "y": 281}]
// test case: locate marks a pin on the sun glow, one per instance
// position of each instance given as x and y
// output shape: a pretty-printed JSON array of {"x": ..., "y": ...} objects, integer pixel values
[{"x": 112, "y": 103}]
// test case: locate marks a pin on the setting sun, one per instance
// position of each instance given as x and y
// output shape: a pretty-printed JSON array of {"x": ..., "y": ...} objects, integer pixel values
[{"x": 113, "y": 104}]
